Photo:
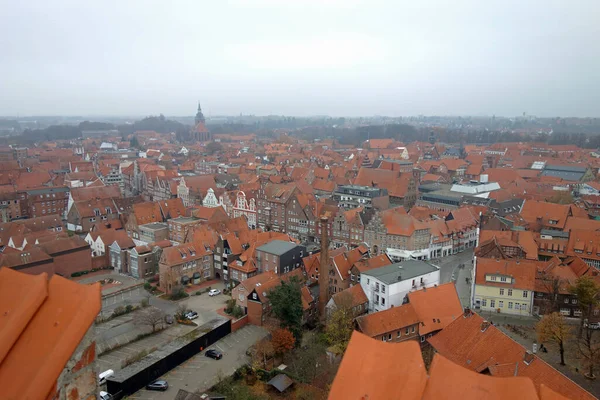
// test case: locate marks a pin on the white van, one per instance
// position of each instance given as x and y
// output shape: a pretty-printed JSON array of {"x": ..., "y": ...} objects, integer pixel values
[{"x": 104, "y": 376}]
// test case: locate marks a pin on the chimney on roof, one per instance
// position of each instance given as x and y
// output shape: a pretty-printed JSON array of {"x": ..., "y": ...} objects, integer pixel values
[
  {"x": 324, "y": 267},
  {"x": 528, "y": 357},
  {"x": 484, "y": 325},
  {"x": 467, "y": 312}
]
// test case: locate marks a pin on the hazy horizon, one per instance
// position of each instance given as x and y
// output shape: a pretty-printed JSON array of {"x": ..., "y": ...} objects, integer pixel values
[{"x": 300, "y": 58}]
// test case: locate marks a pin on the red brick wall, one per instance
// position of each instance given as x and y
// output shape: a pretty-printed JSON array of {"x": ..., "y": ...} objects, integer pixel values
[
  {"x": 255, "y": 313},
  {"x": 66, "y": 264},
  {"x": 100, "y": 262},
  {"x": 38, "y": 269},
  {"x": 240, "y": 323}
]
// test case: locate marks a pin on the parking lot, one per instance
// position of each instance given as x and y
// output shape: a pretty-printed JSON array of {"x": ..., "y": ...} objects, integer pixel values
[{"x": 200, "y": 372}]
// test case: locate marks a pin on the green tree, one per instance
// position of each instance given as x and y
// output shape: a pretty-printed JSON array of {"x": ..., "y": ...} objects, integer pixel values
[
  {"x": 213, "y": 147},
  {"x": 340, "y": 322},
  {"x": 587, "y": 291},
  {"x": 554, "y": 328},
  {"x": 286, "y": 304},
  {"x": 134, "y": 142}
]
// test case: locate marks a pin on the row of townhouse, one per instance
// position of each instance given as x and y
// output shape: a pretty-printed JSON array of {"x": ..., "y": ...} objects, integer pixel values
[{"x": 529, "y": 287}]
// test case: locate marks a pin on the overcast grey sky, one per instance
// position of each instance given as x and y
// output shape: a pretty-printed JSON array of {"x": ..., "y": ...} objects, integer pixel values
[{"x": 335, "y": 57}]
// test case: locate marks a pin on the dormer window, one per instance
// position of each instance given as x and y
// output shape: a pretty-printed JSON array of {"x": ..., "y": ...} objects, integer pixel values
[
  {"x": 96, "y": 212},
  {"x": 108, "y": 210}
]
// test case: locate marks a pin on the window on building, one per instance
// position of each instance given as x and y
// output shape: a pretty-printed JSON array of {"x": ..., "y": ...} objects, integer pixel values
[
  {"x": 510, "y": 292},
  {"x": 566, "y": 300},
  {"x": 525, "y": 293},
  {"x": 492, "y": 278},
  {"x": 510, "y": 305},
  {"x": 399, "y": 334},
  {"x": 574, "y": 301},
  {"x": 422, "y": 339},
  {"x": 382, "y": 288},
  {"x": 502, "y": 279},
  {"x": 377, "y": 286},
  {"x": 484, "y": 303},
  {"x": 493, "y": 303},
  {"x": 501, "y": 292},
  {"x": 500, "y": 304},
  {"x": 376, "y": 299},
  {"x": 382, "y": 301}
]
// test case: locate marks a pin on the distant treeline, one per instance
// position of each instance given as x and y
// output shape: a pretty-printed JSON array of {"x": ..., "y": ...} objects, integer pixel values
[
  {"x": 66, "y": 132},
  {"x": 317, "y": 128}
]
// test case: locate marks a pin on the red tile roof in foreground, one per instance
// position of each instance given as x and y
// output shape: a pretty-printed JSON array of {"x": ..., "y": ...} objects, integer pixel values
[
  {"x": 464, "y": 343},
  {"x": 41, "y": 324},
  {"x": 376, "y": 370},
  {"x": 372, "y": 369}
]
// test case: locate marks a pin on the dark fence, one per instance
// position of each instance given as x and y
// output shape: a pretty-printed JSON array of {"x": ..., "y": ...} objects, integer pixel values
[{"x": 134, "y": 377}]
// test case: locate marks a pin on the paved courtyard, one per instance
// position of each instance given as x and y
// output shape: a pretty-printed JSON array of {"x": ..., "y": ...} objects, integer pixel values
[{"x": 200, "y": 372}]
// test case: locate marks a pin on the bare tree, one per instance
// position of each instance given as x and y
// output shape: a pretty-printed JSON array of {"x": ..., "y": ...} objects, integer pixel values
[
  {"x": 552, "y": 287},
  {"x": 152, "y": 317},
  {"x": 589, "y": 348}
]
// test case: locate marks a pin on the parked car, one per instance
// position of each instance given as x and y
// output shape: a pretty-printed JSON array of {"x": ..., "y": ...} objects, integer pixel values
[
  {"x": 105, "y": 395},
  {"x": 213, "y": 354},
  {"x": 104, "y": 376},
  {"x": 214, "y": 292},
  {"x": 593, "y": 325},
  {"x": 191, "y": 315},
  {"x": 158, "y": 385}
]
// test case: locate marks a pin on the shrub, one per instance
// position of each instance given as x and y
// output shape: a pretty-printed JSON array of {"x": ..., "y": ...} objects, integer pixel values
[
  {"x": 120, "y": 310},
  {"x": 128, "y": 308},
  {"x": 178, "y": 293},
  {"x": 225, "y": 291},
  {"x": 237, "y": 311},
  {"x": 198, "y": 293},
  {"x": 147, "y": 286},
  {"x": 230, "y": 306},
  {"x": 145, "y": 303}
]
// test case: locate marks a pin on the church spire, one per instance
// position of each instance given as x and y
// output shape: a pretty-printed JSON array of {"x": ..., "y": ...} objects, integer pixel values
[{"x": 199, "y": 115}]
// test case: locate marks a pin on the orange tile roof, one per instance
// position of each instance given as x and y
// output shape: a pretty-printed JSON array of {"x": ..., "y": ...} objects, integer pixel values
[
  {"x": 371, "y": 370},
  {"x": 172, "y": 208},
  {"x": 450, "y": 381},
  {"x": 146, "y": 213},
  {"x": 586, "y": 244},
  {"x": 372, "y": 262},
  {"x": 89, "y": 193},
  {"x": 464, "y": 343},
  {"x": 538, "y": 214},
  {"x": 43, "y": 323},
  {"x": 523, "y": 272},
  {"x": 523, "y": 239},
  {"x": 358, "y": 295},
  {"x": 389, "y": 320},
  {"x": 579, "y": 223},
  {"x": 307, "y": 298},
  {"x": 436, "y": 307}
]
